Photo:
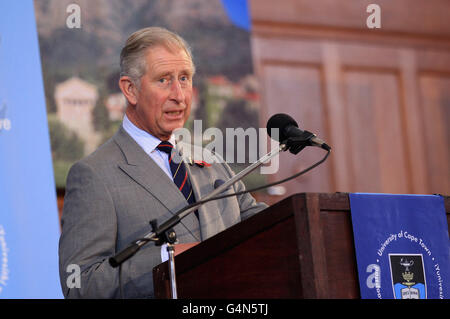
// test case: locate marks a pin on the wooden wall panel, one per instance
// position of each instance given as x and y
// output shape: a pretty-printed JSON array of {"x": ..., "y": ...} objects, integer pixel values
[
  {"x": 417, "y": 17},
  {"x": 435, "y": 93},
  {"x": 382, "y": 94},
  {"x": 298, "y": 87},
  {"x": 373, "y": 109}
]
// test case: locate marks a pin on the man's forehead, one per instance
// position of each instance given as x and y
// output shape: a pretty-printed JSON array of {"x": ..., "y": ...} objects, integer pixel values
[{"x": 160, "y": 58}]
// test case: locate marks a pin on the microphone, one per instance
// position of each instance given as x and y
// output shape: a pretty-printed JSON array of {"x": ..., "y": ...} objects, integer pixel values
[{"x": 290, "y": 133}]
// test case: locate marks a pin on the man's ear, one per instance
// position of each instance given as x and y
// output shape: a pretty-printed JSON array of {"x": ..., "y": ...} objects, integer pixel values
[{"x": 128, "y": 89}]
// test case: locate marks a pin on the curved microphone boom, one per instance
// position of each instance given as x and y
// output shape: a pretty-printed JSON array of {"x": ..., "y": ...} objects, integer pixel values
[{"x": 291, "y": 135}]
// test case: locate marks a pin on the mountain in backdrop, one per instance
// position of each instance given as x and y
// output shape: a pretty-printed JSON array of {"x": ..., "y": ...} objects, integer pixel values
[{"x": 92, "y": 51}]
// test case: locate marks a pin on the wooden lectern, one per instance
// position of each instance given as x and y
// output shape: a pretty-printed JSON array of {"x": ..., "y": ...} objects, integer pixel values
[{"x": 301, "y": 247}]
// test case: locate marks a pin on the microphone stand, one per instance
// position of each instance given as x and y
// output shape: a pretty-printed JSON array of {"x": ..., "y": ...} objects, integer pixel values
[{"x": 165, "y": 234}]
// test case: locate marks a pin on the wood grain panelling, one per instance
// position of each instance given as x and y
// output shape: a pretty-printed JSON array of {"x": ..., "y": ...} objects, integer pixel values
[
  {"x": 379, "y": 97},
  {"x": 374, "y": 124},
  {"x": 415, "y": 17},
  {"x": 413, "y": 123},
  {"x": 427, "y": 20},
  {"x": 299, "y": 88},
  {"x": 435, "y": 93}
]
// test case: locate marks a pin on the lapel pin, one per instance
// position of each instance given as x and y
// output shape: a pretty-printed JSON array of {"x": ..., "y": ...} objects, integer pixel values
[{"x": 202, "y": 163}]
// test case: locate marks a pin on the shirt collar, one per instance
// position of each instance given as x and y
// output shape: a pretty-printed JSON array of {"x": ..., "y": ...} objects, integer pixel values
[{"x": 144, "y": 139}]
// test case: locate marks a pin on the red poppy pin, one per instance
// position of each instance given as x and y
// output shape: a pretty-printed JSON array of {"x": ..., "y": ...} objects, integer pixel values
[{"x": 202, "y": 163}]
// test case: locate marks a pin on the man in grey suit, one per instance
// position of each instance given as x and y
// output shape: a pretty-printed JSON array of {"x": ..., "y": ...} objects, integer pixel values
[{"x": 112, "y": 194}]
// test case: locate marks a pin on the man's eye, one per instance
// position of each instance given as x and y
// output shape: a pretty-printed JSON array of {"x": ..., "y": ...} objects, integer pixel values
[{"x": 163, "y": 80}]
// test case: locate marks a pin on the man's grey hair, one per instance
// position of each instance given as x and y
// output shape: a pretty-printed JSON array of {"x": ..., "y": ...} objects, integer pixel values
[{"x": 132, "y": 56}]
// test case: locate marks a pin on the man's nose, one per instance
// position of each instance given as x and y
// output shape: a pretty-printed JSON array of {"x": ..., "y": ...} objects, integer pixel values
[{"x": 176, "y": 92}]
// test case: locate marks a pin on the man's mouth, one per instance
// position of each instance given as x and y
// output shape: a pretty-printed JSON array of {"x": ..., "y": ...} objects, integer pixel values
[{"x": 174, "y": 113}]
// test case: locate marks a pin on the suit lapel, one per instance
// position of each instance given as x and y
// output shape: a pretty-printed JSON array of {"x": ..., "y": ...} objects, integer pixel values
[
  {"x": 144, "y": 171},
  {"x": 210, "y": 218}
]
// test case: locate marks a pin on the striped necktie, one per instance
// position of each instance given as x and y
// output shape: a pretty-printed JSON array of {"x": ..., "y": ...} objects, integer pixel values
[{"x": 179, "y": 172}]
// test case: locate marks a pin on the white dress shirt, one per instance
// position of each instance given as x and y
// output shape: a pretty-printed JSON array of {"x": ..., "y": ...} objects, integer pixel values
[{"x": 149, "y": 143}]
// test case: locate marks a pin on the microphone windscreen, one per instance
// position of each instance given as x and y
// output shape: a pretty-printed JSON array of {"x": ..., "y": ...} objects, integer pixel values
[{"x": 280, "y": 121}]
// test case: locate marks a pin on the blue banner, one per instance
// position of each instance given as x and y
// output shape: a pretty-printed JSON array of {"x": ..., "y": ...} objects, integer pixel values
[
  {"x": 29, "y": 230},
  {"x": 402, "y": 246},
  {"x": 237, "y": 11}
]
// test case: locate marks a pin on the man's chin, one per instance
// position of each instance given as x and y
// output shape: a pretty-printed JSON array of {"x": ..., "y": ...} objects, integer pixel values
[
  {"x": 175, "y": 125},
  {"x": 171, "y": 129}
]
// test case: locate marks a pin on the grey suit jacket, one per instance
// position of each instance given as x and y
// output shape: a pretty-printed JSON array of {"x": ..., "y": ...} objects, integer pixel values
[{"x": 111, "y": 196}]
